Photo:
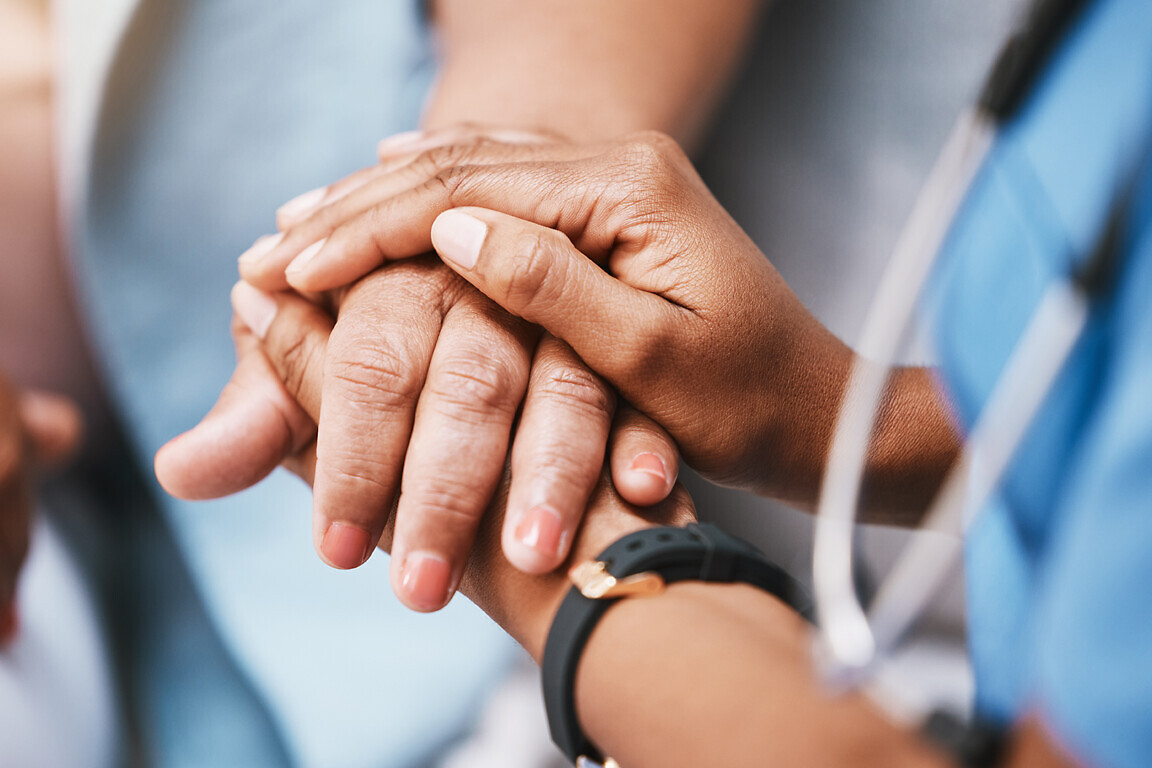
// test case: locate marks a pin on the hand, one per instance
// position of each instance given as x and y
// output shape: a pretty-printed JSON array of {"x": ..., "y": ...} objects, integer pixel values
[
  {"x": 691, "y": 323},
  {"x": 294, "y": 347},
  {"x": 36, "y": 429},
  {"x": 653, "y": 285},
  {"x": 419, "y": 361},
  {"x": 293, "y": 350}
]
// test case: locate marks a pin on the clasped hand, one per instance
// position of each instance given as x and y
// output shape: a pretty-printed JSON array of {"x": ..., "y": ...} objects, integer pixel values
[
  {"x": 422, "y": 380},
  {"x": 636, "y": 275}
]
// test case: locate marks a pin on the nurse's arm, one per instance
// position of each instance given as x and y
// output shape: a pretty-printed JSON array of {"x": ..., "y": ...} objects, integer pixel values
[{"x": 589, "y": 70}]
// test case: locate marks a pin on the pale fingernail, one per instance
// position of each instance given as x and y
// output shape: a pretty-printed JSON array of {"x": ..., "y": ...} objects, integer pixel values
[
  {"x": 300, "y": 263},
  {"x": 650, "y": 464},
  {"x": 301, "y": 204},
  {"x": 459, "y": 237},
  {"x": 541, "y": 529},
  {"x": 261, "y": 248},
  {"x": 425, "y": 581},
  {"x": 345, "y": 545},
  {"x": 398, "y": 141},
  {"x": 255, "y": 307}
]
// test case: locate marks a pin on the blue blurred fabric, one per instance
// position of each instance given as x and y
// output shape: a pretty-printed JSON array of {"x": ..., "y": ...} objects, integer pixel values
[
  {"x": 215, "y": 113},
  {"x": 1059, "y": 563}
]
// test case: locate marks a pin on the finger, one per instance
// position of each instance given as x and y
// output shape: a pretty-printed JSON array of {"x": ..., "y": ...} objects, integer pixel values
[
  {"x": 301, "y": 207},
  {"x": 557, "y": 457},
  {"x": 53, "y": 424},
  {"x": 375, "y": 366},
  {"x": 536, "y": 273},
  {"x": 319, "y": 242},
  {"x": 254, "y": 425},
  {"x": 644, "y": 459},
  {"x": 304, "y": 205},
  {"x": 264, "y": 264},
  {"x": 476, "y": 382}
]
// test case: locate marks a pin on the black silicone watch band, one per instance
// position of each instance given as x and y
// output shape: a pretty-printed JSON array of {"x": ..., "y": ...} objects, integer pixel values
[{"x": 699, "y": 552}]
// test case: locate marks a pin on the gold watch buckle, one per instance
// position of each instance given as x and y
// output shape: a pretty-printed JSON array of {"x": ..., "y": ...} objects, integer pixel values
[{"x": 595, "y": 583}]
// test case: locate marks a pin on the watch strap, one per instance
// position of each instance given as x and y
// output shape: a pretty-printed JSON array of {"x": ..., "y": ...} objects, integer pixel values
[{"x": 698, "y": 552}]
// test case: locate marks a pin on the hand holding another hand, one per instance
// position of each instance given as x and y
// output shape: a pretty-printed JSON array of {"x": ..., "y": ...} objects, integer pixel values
[
  {"x": 423, "y": 379},
  {"x": 295, "y": 345},
  {"x": 621, "y": 251}
]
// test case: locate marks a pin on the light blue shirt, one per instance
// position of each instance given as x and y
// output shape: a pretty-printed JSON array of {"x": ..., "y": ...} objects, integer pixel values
[
  {"x": 1060, "y": 564},
  {"x": 217, "y": 112}
]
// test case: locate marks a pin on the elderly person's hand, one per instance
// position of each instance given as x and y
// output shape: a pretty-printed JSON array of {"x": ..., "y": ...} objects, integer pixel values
[
  {"x": 423, "y": 379},
  {"x": 295, "y": 345},
  {"x": 621, "y": 251},
  {"x": 36, "y": 429}
]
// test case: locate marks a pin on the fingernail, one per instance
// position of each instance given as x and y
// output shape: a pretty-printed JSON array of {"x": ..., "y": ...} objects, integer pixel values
[
  {"x": 261, "y": 248},
  {"x": 458, "y": 237},
  {"x": 256, "y": 308},
  {"x": 425, "y": 581},
  {"x": 650, "y": 464},
  {"x": 301, "y": 204},
  {"x": 308, "y": 254},
  {"x": 9, "y": 623},
  {"x": 345, "y": 545},
  {"x": 541, "y": 529},
  {"x": 398, "y": 141}
]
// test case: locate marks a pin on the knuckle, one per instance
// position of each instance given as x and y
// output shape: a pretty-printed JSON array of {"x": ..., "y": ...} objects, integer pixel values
[
  {"x": 447, "y": 182},
  {"x": 455, "y": 503},
  {"x": 374, "y": 375},
  {"x": 574, "y": 388},
  {"x": 653, "y": 152},
  {"x": 558, "y": 465},
  {"x": 364, "y": 476},
  {"x": 446, "y": 156},
  {"x": 476, "y": 385}
]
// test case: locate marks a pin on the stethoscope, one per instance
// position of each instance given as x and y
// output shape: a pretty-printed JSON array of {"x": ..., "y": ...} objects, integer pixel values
[{"x": 853, "y": 645}]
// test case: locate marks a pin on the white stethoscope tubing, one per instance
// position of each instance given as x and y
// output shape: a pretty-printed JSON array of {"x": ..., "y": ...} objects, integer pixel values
[
  {"x": 847, "y": 641},
  {"x": 851, "y": 642}
]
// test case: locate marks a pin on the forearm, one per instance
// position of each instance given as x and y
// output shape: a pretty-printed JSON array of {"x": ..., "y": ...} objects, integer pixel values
[
  {"x": 588, "y": 70},
  {"x": 912, "y": 446},
  {"x": 720, "y": 675}
]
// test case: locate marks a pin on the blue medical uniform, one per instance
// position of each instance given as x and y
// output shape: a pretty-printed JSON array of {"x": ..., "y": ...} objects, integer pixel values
[
  {"x": 215, "y": 113},
  {"x": 1059, "y": 565}
]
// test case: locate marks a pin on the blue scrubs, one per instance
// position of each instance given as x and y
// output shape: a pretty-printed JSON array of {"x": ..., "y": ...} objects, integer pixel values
[
  {"x": 217, "y": 112},
  {"x": 1059, "y": 564}
]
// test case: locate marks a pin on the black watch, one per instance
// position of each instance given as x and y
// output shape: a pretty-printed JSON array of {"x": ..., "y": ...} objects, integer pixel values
[{"x": 642, "y": 563}]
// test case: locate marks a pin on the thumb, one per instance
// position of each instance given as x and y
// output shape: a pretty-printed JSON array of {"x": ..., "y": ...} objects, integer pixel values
[
  {"x": 254, "y": 425},
  {"x": 538, "y": 274}
]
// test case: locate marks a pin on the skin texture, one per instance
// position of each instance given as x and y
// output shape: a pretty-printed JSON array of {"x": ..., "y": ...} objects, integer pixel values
[
  {"x": 702, "y": 674},
  {"x": 425, "y": 393},
  {"x": 624, "y": 254}
]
